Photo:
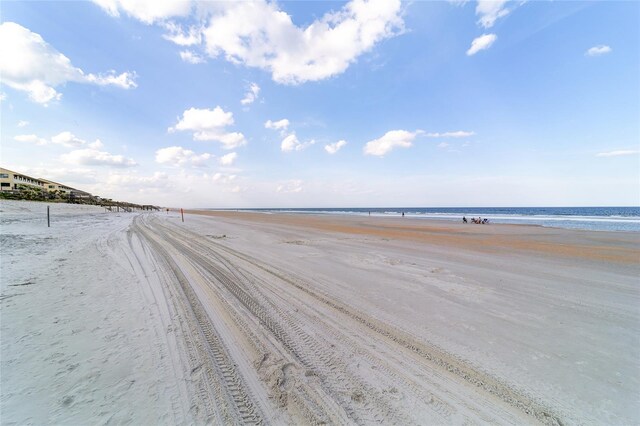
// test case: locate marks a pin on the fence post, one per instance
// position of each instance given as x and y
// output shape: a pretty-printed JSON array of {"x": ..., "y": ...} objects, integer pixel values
[
  {"x": 182, "y": 214},
  {"x": 48, "y": 219}
]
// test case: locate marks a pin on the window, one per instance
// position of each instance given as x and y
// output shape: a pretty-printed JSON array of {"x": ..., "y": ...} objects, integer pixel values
[
  {"x": 4, "y": 176},
  {"x": 3, "y": 184},
  {"x": 51, "y": 186}
]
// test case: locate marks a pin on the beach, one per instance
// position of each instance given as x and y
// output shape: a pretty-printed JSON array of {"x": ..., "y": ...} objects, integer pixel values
[{"x": 236, "y": 317}]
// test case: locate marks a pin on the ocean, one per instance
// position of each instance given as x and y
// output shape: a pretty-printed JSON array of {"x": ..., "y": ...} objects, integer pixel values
[{"x": 625, "y": 219}]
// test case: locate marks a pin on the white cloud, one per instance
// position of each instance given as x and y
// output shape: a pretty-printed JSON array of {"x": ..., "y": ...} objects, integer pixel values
[
  {"x": 70, "y": 140},
  {"x": 203, "y": 119},
  {"x": 456, "y": 134},
  {"x": 618, "y": 153},
  {"x": 66, "y": 139},
  {"x": 259, "y": 34},
  {"x": 93, "y": 157},
  {"x": 599, "y": 50},
  {"x": 389, "y": 141},
  {"x": 210, "y": 125},
  {"x": 281, "y": 125},
  {"x": 179, "y": 156},
  {"x": 291, "y": 143},
  {"x": 126, "y": 80},
  {"x": 147, "y": 11},
  {"x": 228, "y": 159},
  {"x": 332, "y": 148},
  {"x": 3, "y": 96},
  {"x": 443, "y": 145},
  {"x": 490, "y": 11},
  {"x": 292, "y": 186},
  {"x": 191, "y": 57},
  {"x": 178, "y": 36},
  {"x": 223, "y": 178},
  {"x": 251, "y": 95},
  {"x": 30, "y": 139},
  {"x": 32, "y": 65},
  {"x": 23, "y": 123},
  {"x": 158, "y": 179},
  {"x": 481, "y": 43}
]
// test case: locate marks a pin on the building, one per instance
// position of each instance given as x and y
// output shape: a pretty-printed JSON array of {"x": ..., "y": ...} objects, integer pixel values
[
  {"x": 11, "y": 181},
  {"x": 51, "y": 186}
]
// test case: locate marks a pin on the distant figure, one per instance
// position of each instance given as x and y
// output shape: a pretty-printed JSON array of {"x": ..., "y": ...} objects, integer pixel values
[
  {"x": 402, "y": 214},
  {"x": 464, "y": 219},
  {"x": 485, "y": 220},
  {"x": 369, "y": 213}
]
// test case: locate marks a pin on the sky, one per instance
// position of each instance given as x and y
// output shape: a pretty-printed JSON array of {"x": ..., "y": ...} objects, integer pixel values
[{"x": 375, "y": 103}]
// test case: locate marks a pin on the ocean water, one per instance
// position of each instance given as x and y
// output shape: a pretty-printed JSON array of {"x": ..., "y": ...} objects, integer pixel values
[{"x": 625, "y": 219}]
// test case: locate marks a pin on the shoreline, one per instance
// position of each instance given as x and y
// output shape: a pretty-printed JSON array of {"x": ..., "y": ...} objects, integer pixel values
[
  {"x": 612, "y": 223},
  {"x": 488, "y": 237}
]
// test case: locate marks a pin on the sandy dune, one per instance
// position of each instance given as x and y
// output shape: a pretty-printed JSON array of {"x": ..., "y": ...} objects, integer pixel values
[{"x": 292, "y": 319}]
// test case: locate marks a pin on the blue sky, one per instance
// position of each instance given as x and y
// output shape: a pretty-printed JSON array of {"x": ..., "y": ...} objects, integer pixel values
[{"x": 370, "y": 103}]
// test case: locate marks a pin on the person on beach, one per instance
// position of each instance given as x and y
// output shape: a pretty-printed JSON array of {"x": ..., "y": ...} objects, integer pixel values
[
  {"x": 402, "y": 214},
  {"x": 464, "y": 219}
]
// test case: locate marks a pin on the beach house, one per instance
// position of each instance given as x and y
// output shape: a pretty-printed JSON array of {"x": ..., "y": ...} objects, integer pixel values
[
  {"x": 12, "y": 181},
  {"x": 15, "y": 182},
  {"x": 51, "y": 186}
]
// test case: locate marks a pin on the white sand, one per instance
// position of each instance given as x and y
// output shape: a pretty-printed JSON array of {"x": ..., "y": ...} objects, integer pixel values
[
  {"x": 80, "y": 342},
  {"x": 143, "y": 319}
]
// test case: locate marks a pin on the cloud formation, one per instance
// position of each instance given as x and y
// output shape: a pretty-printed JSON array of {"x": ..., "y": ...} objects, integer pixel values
[
  {"x": 456, "y": 134},
  {"x": 332, "y": 148},
  {"x": 70, "y": 140},
  {"x": 66, "y": 139},
  {"x": 191, "y": 57},
  {"x": 147, "y": 11},
  {"x": 618, "y": 153},
  {"x": 179, "y": 156},
  {"x": 259, "y": 34},
  {"x": 598, "y": 50},
  {"x": 30, "y": 139},
  {"x": 490, "y": 11},
  {"x": 228, "y": 159},
  {"x": 210, "y": 125},
  {"x": 481, "y": 43},
  {"x": 251, "y": 95},
  {"x": 281, "y": 125},
  {"x": 291, "y": 143},
  {"x": 291, "y": 186},
  {"x": 389, "y": 141},
  {"x": 180, "y": 37},
  {"x": 93, "y": 157},
  {"x": 32, "y": 65}
]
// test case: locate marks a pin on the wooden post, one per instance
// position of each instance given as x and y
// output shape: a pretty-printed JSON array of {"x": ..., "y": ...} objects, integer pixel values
[
  {"x": 48, "y": 219},
  {"x": 182, "y": 214}
]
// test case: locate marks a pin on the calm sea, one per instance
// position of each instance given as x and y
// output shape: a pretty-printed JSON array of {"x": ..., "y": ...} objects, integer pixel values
[{"x": 591, "y": 218}]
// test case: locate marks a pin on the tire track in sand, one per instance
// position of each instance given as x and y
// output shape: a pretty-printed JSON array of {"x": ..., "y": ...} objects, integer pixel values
[
  {"x": 430, "y": 353},
  {"x": 347, "y": 390},
  {"x": 222, "y": 383}
]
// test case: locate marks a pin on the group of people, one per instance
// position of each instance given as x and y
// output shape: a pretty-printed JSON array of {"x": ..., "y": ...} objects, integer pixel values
[{"x": 479, "y": 220}]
